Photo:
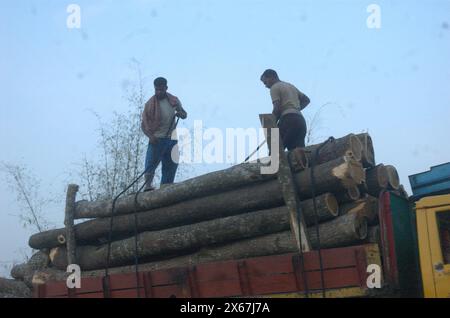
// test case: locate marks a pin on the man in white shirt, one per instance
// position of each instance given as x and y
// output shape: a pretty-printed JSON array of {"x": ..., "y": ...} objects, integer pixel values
[{"x": 288, "y": 102}]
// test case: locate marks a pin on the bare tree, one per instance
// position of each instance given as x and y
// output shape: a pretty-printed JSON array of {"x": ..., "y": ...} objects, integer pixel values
[
  {"x": 30, "y": 199},
  {"x": 314, "y": 125}
]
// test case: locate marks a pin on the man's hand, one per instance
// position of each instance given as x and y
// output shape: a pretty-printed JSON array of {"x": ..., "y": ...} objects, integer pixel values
[
  {"x": 153, "y": 140},
  {"x": 304, "y": 100},
  {"x": 180, "y": 115},
  {"x": 180, "y": 112}
]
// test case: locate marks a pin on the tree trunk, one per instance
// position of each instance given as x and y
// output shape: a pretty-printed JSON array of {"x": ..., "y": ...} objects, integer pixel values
[
  {"x": 376, "y": 180},
  {"x": 330, "y": 177},
  {"x": 271, "y": 244},
  {"x": 367, "y": 207},
  {"x": 214, "y": 182},
  {"x": 368, "y": 154},
  {"x": 25, "y": 271},
  {"x": 341, "y": 231},
  {"x": 393, "y": 178},
  {"x": 207, "y": 184},
  {"x": 14, "y": 288},
  {"x": 69, "y": 222},
  {"x": 349, "y": 146}
]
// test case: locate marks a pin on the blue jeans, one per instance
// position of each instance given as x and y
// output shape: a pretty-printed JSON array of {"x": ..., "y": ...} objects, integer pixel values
[{"x": 162, "y": 152}]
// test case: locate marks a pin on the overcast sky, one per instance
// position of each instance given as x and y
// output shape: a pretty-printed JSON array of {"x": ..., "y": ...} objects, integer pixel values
[{"x": 393, "y": 81}]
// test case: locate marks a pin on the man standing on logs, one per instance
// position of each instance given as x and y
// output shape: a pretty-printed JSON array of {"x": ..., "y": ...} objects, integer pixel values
[
  {"x": 288, "y": 102},
  {"x": 158, "y": 123}
]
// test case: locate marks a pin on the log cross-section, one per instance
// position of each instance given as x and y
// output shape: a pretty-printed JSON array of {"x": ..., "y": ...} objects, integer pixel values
[{"x": 286, "y": 180}]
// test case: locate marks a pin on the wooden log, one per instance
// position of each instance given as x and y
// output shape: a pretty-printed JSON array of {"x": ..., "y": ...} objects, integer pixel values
[
  {"x": 271, "y": 244},
  {"x": 286, "y": 182},
  {"x": 239, "y": 201},
  {"x": 14, "y": 288},
  {"x": 349, "y": 146},
  {"x": 373, "y": 235},
  {"x": 376, "y": 180},
  {"x": 367, "y": 207},
  {"x": 214, "y": 182},
  {"x": 25, "y": 271},
  {"x": 330, "y": 177},
  {"x": 69, "y": 223},
  {"x": 350, "y": 195},
  {"x": 342, "y": 231},
  {"x": 207, "y": 184},
  {"x": 256, "y": 198},
  {"x": 403, "y": 192},
  {"x": 368, "y": 154},
  {"x": 393, "y": 178}
]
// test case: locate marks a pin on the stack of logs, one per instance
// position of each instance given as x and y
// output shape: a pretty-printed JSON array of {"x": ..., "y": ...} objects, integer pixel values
[{"x": 229, "y": 214}]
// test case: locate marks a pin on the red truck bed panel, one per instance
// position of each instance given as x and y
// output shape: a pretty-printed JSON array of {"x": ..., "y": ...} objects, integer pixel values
[{"x": 259, "y": 276}]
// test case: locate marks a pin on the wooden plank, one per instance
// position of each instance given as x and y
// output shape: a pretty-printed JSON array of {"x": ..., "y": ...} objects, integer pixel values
[
  {"x": 169, "y": 276},
  {"x": 279, "y": 283},
  {"x": 330, "y": 293},
  {"x": 217, "y": 271},
  {"x": 220, "y": 288},
  {"x": 69, "y": 223},
  {"x": 56, "y": 289},
  {"x": 125, "y": 281},
  {"x": 168, "y": 291},
  {"x": 297, "y": 222},
  {"x": 343, "y": 267},
  {"x": 388, "y": 240},
  {"x": 127, "y": 293},
  {"x": 334, "y": 278},
  {"x": 91, "y": 295},
  {"x": 331, "y": 258},
  {"x": 90, "y": 285}
]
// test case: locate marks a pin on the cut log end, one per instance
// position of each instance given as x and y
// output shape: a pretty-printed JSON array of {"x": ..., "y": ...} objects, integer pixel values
[
  {"x": 356, "y": 148},
  {"x": 61, "y": 239},
  {"x": 353, "y": 193},
  {"x": 393, "y": 178},
  {"x": 332, "y": 204},
  {"x": 377, "y": 180},
  {"x": 350, "y": 195}
]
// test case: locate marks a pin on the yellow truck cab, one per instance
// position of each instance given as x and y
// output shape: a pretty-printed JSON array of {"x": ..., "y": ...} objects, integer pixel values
[
  {"x": 431, "y": 193},
  {"x": 433, "y": 233}
]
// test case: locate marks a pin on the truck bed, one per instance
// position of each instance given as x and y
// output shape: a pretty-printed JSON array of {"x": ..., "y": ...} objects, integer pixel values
[{"x": 345, "y": 275}]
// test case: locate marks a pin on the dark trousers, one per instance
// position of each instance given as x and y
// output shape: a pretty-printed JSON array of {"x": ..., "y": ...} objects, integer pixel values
[
  {"x": 162, "y": 153},
  {"x": 292, "y": 130}
]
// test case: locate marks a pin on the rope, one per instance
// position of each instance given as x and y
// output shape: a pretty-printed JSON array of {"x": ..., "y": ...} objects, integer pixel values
[
  {"x": 136, "y": 251},
  {"x": 106, "y": 286},
  {"x": 316, "y": 219},
  {"x": 299, "y": 215}
]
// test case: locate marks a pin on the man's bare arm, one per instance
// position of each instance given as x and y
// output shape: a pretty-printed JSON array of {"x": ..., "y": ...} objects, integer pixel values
[
  {"x": 276, "y": 109},
  {"x": 180, "y": 111},
  {"x": 304, "y": 100}
]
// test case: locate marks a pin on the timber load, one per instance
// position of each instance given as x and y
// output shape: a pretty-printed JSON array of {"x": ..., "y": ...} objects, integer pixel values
[{"x": 233, "y": 213}]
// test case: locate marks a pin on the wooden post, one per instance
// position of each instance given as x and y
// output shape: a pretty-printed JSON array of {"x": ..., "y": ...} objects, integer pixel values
[
  {"x": 298, "y": 227},
  {"x": 69, "y": 223}
]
